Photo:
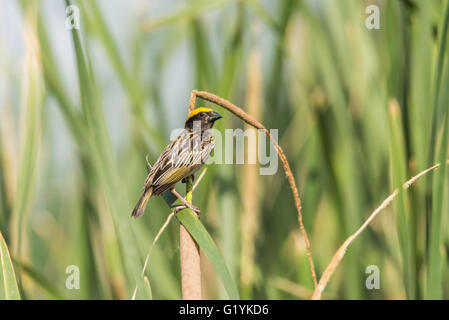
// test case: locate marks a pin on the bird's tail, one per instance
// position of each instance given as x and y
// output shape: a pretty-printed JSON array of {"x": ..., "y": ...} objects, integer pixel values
[{"x": 140, "y": 207}]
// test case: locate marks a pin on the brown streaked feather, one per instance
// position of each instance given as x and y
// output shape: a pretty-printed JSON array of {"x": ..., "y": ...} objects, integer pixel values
[
  {"x": 180, "y": 159},
  {"x": 162, "y": 163},
  {"x": 140, "y": 207}
]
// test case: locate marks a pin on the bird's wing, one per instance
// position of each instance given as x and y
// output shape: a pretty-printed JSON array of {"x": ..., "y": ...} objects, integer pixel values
[
  {"x": 179, "y": 159},
  {"x": 174, "y": 164}
]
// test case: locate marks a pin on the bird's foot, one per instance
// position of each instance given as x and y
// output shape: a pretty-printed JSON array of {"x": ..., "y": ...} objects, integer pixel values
[
  {"x": 191, "y": 207},
  {"x": 186, "y": 204}
]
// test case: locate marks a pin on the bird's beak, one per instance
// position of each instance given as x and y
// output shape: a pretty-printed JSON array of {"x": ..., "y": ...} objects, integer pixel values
[{"x": 214, "y": 116}]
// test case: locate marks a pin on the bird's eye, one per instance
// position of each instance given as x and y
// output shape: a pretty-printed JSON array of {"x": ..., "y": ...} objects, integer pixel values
[{"x": 202, "y": 114}]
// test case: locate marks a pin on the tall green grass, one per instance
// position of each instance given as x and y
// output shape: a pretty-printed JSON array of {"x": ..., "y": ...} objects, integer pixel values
[
  {"x": 8, "y": 283},
  {"x": 434, "y": 275},
  {"x": 326, "y": 85}
]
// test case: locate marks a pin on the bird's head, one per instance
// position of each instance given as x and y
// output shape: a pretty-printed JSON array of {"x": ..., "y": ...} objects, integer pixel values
[{"x": 205, "y": 116}]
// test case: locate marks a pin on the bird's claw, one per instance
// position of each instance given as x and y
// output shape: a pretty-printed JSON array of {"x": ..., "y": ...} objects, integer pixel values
[
  {"x": 191, "y": 207},
  {"x": 196, "y": 210},
  {"x": 178, "y": 208}
]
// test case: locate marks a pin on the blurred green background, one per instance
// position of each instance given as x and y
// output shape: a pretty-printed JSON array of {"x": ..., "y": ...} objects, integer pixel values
[{"x": 358, "y": 110}]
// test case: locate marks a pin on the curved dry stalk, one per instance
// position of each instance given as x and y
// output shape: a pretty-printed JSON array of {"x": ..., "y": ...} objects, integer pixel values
[
  {"x": 338, "y": 256},
  {"x": 288, "y": 172},
  {"x": 164, "y": 226},
  {"x": 225, "y": 104},
  {"x": 199, "y": 179}
]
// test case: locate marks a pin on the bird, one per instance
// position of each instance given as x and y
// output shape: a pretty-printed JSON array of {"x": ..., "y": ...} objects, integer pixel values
[{"x": 181, "y": 158}]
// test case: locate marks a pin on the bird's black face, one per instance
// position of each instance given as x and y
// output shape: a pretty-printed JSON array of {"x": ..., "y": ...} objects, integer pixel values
[{"x": 205, "y": 119}]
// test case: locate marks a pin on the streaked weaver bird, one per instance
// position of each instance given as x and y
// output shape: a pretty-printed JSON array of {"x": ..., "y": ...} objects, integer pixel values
[{"x": 181, "y": 158}]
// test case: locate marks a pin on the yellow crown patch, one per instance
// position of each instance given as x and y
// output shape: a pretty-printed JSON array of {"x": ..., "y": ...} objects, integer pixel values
[{"x": 198, "y": 110}]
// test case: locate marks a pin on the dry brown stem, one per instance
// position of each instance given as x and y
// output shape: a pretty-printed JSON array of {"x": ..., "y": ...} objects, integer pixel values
[
  {"x": 338, "y": 256},
  {"x": 253, "y": 122},
  {"x": 190, "y": 258},
  {"x": 190, "y": 265}
]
